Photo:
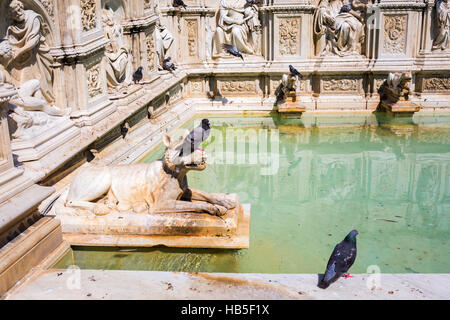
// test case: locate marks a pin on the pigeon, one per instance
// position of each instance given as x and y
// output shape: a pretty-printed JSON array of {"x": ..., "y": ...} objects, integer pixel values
[
  {"x": 179, "y": 3},
  {"x": 294, "y": 72},
  {"x": 168, "y": 65},
  {"x": 252, "y": 2},
  {"x": 232, "y": 50},
  {"x": 342, "y": 258},
  {"x": 195, "y": 137},
  {"x": 137, "y": 75}
]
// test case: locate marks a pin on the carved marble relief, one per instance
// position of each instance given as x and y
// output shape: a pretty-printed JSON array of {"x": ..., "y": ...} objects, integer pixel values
[
  {"x": 49, "y": 7},
  {"x": 238, "y": 24},
  {"x": 338, "y": 29},
  {"x": 394, "y": 30},
  {"x": 151, "y": 52},
  {"x": 237, "y": 86},
  {"x": 196, "y": 86},
  {"x": 336, "y": 84},
  {"x": 289, "y": 36},
  {"x": 118, "y": 56},
  {"x": 88, "y": 15},
  {"x": 163, "y": 39},
  {"x": 94, "y": 81},
  {"x": 192, "y": 38},
  {"x": 147, "y": 4},
  {"x": 437, "y": 84},
  {"x": 442, "y": 23}
]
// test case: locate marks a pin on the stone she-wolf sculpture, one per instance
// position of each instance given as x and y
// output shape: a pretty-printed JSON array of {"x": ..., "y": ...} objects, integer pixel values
[
  {"x": 394, "y": 89},
  {"x": 157, "y": 187}
]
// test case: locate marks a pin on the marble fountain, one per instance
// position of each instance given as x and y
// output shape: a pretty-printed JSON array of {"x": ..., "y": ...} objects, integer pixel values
[{"x": 72, "y": 116}]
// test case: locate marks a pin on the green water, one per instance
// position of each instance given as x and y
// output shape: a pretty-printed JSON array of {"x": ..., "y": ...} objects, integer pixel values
[{"x": 309, "y": 182}]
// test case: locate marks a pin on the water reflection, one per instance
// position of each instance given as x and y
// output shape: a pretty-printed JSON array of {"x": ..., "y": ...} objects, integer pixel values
[{"x": 388, "y": 178}]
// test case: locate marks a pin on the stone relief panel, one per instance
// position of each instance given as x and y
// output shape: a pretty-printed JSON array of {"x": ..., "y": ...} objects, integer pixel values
[
  {"x": 276, "y": 81},
  {"x": 289, "y": 36},
  {"x": 175, "y": 94},
  {"x": 196, "y": 86},
  {"x": 442, "y": 24},
  {"x": 340, "y": 85},
  {"x": 237, "y": 24},
  {"x": 238, "y": 86},
  {"x": 151, "y": 52},
  {"x": 339, "y": 28},
  {"x": 436, "y": 84},
  {"x": 88, "y": 15},
  {"x": 49, "y": 7},
  {"x": 394, "y": 31},
  {"x": 117, "y": 54},
  {"x": 94, "y": 82},
  {"x": 192, "y": 37}
]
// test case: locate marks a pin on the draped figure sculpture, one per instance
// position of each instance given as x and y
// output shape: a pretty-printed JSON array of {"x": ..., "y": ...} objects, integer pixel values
[
  {"x": 338, "y": 29},
  {"x": 163, "y": 39},
  {"x": 238, "y": 25},
  {"x": 118, "y": 68},
  {"x": 31, "y": 58},
  {"x": 442, "y": 20}
]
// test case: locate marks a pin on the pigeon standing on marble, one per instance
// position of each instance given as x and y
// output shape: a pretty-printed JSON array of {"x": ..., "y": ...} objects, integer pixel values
[
  {"x": 294, "y": 72},
  {"x": 232, "y": 50},
  {"x": 168, "y": 65},
  {"x": 342, "y": 258},
  {"x": 179, "y": 3},
  {"x": 195, "y": 138},
  {"x": 137, "y": 75}
]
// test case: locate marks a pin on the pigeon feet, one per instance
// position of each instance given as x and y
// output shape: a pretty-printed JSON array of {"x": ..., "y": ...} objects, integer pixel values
[{"x": 347, "y": 275}]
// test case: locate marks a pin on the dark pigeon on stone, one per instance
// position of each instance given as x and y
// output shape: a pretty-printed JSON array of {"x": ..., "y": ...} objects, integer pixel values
[
  {"x": 232, "y": 50},
  {"x": 137, "y": 75},
  {"x": 294, "y": 72},
  {"x": 195, "y": 138},
  {"x": 342, "y": 258},
  {"x": 168, "y": 65},
  {"x": 179, "y": 3},
  {"x": 252, "y": 2}
]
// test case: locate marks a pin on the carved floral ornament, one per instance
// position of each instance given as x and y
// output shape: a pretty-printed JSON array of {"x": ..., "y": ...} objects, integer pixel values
[
  {"x": 237, "y": 86},
  {"x": 437, "y": 84},
  {"x": 344, "y": 84},
  {"x": 192, "y": 36},
  {"x": 395, "y": 33},
  {"x": 93, "y": 81},
  {"x": 151, "y": 52},
  {"x": 88, "y": 15},
  {"x": 289, "y": 33}
]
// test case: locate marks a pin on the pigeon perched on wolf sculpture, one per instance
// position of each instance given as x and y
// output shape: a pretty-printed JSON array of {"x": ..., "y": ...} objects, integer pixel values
[
  {"x": 294, "y": 72},
  {"x": 195, "y": 138},
  {"x": 342, "y": 258}
]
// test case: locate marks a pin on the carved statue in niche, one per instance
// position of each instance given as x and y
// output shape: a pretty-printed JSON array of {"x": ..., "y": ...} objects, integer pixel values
[
  {"x": 442, "y": 18},
  {"x": 163, "y": 39},
  {"x": 338, "y": 28},
  {"x": 238, "y": 24},
  {"x": 27, "y": 100},
  {"x": 31, "y": 58},
  {"x": 394, "y": 88},
  {"x": 118, "y": 68}
]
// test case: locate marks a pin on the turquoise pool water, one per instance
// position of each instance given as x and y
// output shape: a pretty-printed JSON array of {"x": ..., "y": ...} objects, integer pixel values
[{"x": 309, "y": 182}]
